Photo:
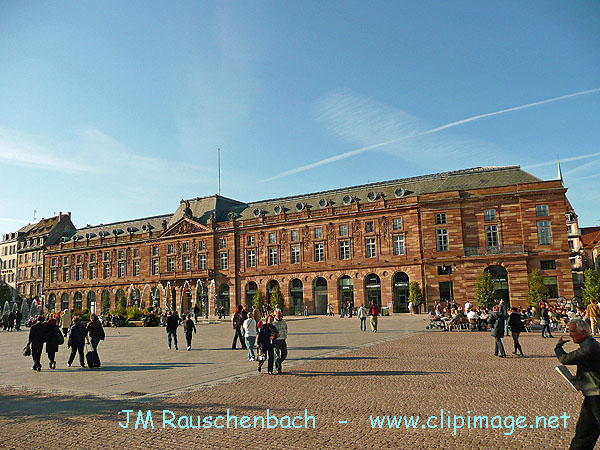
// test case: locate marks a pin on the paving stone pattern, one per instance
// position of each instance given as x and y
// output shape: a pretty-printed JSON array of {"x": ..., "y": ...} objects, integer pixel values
[{"x": 416, "y": 373}]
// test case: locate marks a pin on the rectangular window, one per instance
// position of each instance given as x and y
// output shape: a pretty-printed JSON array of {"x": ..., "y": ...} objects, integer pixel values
[
  {"x": 79, "y": 273},
  {"x": 295, "y": 254},
  {"x": 92, "y": 272},
  {"x": 78, "y": 259},
  {"x": 541, "y": 210},
  {"x": 491, "y": 236},
  {"x": 202, "y": 262},
  {"x": 440, "y": 218},
  {"x": 53, "y": 261},
  {"x": 170, "y": 248},
  {"x": 186, "y": 262},
  {"x": 369, "y": 227},
  {"x": 92, "y": 257},
  {"x": 65, "y": 274},
  {"x": 170, "y": 264},
  {"x": 121, "y": 254},
  {"x": 318, "y": 233},
  {"x": 202, "y": 246},
  {"x": 222, "y": 243},
  {"x": 343, "y": 230},
  {"x": 223, "y": 261},
  {"x": 32, "y": 272},
  {"x": 548, "y": 265},
  {"x": 544, "y": 235},
  {"x": 53, "y": 276},
  {"x": 39, "y": 272},
  {"x": 65, "y": 259},
  {"x": 136, "y": 253},
  {"x": 27, "y": 257},
  {"x": 272, "y": 252},
  {"x": 155, "y": 251},
  {"x": 489, "y": 215},
  {"x": 344, "y": 250},
  {"x": 155, "y": 267},
  {"x": 136, "y": 268},
  {"x": 552, "y": 284},
  {"x": 319, "y": 252},
  {"x": 397, "y": 223},
  {"x": 186, "y": 247},
  {"x": 294, "y": 236},
  {"x": 251, "y": 258},
  {"x": 370, "y": 247},
  {"x": 106, "y": 256},
  {"x": 398, "y": 240},
  {"x": 272, "y": 238},
  {"x": 250, "y": 240},
  {"x": 442, "y": 239},
  {"x": 121, "y": 270}
]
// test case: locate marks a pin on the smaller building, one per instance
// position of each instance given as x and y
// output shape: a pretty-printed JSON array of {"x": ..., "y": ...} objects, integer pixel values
[
  {"x": 8, "y": 257},
  {"x": 31, "y": 247}
]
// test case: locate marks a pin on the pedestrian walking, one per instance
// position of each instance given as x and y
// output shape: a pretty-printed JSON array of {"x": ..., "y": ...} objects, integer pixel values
[
  {"x": 410, "y": 307},
  {"x": 77, "y": 339},
  {"x": 54, "y": 338},
  {"x": 545, "y": 320},
  {"x": 11, "y": 321},
  {"x": 37, "y": 336},
  {"x": 196, "y": 312},
  {"x": 266, "y": 336},
  {"x": 19, "y": 318},
  {"x": 374, "y": 312},
  {"x": 172, "y": 324},
  {"x": 587, "y": 359},
  {"x": 65, "y": 321},
  {"x": 496, "y": 320},
  {"x": 593, "y": 312},
  {"x": 236, "y": 322},
  {"x": 280, "y": 344},
  {"x": 250, "y": 332},
  {"x": 362, "y": 315},
  {"x": 516, "y": 327},
  {"x": 95, "y": 332},
  {"x": 188, "y": 328}
]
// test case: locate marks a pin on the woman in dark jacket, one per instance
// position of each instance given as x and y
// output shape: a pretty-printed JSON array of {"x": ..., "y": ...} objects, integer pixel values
[
  {"x": 545, "y": 321},
  {"x": 496, "y": 320},
  {"x": 267, "y": 334},
  {"x": 95, "y": 332},
  {"x": 516, "y": 327},
  {"x": 54, "y": 338}
]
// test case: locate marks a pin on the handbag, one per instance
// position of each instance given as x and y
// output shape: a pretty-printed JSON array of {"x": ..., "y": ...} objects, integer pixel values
[
  {"x": 260, "y": 357},
  {"x": 27, "y": 350}
]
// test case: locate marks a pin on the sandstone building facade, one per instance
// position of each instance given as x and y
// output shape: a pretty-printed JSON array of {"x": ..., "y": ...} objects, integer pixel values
[{"x": 359, "y": 244}]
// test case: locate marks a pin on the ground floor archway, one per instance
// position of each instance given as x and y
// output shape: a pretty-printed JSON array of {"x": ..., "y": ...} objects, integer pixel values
[
  {"x": 321, "y": 298},
  {"x": 400, "y": 292}
]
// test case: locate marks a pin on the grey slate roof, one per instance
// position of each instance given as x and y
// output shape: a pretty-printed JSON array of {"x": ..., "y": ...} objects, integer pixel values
[
  {"x": 138, "y": 226},
  {"x": 203, "y": 207},
  {"x": 475, "y": 178}
]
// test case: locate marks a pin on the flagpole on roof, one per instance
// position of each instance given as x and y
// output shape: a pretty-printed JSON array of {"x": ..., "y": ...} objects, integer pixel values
[{"x": 560, "y": 177}]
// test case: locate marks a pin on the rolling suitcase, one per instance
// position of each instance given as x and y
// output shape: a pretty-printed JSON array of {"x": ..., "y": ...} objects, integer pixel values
[{"x": 92, "y": 359}]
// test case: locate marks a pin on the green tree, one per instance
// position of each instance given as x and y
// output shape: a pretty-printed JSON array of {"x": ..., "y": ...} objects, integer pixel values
[
  {"x": 5, "y": 294},
  {"x": 484, "y": 290},
  {"x": 415, "y": 295},
  {"x": 259, "y": 300},
  {"x": 591, "y": 287},
  {"x": 277, "y": 298},
  {"x": 538, "y": 292},
  {"x": 105, "y": 305}
]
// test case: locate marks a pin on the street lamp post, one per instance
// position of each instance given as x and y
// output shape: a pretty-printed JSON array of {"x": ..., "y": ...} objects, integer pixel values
[{"x": 449, "y": 269}]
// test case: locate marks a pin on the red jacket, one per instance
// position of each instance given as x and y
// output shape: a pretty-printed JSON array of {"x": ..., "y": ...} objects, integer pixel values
[{"x": 374, "y": 310}]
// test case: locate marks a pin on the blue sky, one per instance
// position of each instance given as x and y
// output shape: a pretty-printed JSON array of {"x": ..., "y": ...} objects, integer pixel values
[{"x": 115, "y": 110}]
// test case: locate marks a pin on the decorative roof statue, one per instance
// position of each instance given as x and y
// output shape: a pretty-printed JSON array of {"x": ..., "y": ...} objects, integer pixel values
[{"x": 187, "y": 212}]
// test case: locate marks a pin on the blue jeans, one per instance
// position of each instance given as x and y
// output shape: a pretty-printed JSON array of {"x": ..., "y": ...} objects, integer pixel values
[
  {"x": 172, "y": 334},
  {"x": 363, "y": 324},
  {"x": 250, "y": 344}
]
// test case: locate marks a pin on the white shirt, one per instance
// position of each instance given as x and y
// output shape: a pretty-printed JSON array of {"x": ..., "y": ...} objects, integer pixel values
[
  {"x": 249, "y": 326},
  {"x": 472, "y": 315},
  {"x": 468, "y": 306}
]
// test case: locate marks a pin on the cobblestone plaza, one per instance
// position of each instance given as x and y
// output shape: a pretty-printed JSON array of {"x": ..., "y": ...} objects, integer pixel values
[{"x": 341, "y": 377}]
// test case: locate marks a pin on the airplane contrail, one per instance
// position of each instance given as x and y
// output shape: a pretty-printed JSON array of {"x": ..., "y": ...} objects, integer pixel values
[{"x": 424, "y": 133}]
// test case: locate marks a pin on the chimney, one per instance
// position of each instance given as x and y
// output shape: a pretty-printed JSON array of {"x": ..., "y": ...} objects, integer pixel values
[
  {"x": 60, "y": 215},
  {"x": 69, "y": 213}
]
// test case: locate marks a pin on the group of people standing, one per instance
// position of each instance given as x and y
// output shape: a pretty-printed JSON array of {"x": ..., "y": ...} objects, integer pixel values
[
  {"x": 268, "y": 336},
  {"x": 77, "y": 334},
  {"x": 12, "y": 321}
]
